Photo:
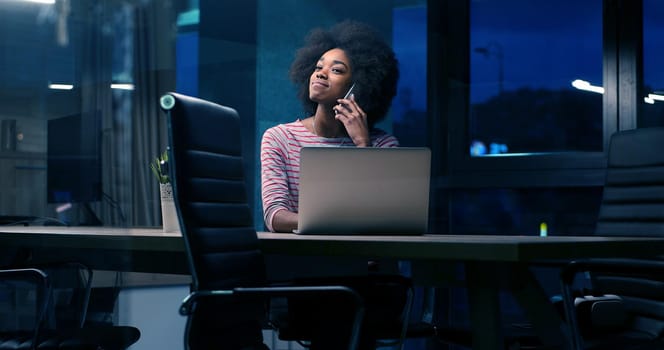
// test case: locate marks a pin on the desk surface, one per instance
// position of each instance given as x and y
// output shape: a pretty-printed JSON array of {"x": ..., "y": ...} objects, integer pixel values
[
  {"x": 463, "y": 247},
  {"x": 136, "y": 241},
  {"x": 151, "y": 250}
]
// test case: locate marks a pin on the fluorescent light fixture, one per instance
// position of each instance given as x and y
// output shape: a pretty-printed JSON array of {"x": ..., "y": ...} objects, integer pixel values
[
  {"x": 48, "y": 2},
  {"x": 191, "y": 17},
  {"x": 584, "y": 85},
  {"x": 648, "y": 100},
  {"x": 60, "y": 86},
  {"x": 122, "y": 86}
]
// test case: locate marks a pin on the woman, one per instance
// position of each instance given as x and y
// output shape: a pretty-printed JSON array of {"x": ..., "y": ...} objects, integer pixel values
[{"x": 346, "y": 79}]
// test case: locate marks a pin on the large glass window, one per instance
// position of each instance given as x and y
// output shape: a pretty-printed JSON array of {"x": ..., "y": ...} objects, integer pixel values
[
  {"x": 530, "y": 212},
  {"x": 409, "y": 41},
  {"x": 535, "y": 77}
]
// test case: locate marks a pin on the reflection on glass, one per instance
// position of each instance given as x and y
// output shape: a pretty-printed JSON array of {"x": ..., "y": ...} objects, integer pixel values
[
  {"x": 529, "y": 212},
  {"x": 653, "y": 75},
  {"x": 408, "y": 112},
  {"x": 73, "y": 74},
  {"x": 523, "y": 62},
  {"x": 108, "y": 62}
]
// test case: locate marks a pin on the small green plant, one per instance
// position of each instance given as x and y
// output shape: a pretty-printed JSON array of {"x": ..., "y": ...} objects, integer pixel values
[{"x": 159, "y": 168}]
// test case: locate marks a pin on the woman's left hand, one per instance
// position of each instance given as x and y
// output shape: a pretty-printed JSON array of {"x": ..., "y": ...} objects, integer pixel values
[{"x": 354, "y": 119}]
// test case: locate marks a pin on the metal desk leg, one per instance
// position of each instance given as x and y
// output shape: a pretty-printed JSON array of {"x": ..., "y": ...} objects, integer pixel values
[
  {"x": 538, "y": 309},
  {"x": 484, "y": 306}
]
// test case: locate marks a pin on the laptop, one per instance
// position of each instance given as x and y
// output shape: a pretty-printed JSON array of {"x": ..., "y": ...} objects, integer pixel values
[{"x": 348, "y": 190}]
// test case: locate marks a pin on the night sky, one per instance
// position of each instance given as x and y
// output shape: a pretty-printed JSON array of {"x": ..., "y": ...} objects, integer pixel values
[{"x": 546, "y": 45}]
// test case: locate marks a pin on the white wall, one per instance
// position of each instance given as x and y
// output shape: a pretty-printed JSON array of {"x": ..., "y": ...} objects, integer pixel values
[{"x": 154, "y": 310}]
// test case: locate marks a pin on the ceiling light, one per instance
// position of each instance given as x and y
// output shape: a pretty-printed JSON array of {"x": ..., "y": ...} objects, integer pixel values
[
  {"x": 60, "y": 86},
  {"x": 122, "y": 86},
  {"x": 48, "y": 2}
]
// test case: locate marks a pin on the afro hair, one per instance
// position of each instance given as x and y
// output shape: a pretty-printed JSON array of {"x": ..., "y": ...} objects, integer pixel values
[{"x": 373, "y": 63}]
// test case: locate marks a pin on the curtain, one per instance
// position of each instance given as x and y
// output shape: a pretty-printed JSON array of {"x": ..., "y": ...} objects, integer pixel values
[
  {"x": 148, "y": 121},
  {"x": 96, "y": 98},
  {"x": 126, "y": 44}
]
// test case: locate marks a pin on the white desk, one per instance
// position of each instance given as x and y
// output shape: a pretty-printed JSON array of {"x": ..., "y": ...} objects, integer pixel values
[{"x": 490, "y": 262}]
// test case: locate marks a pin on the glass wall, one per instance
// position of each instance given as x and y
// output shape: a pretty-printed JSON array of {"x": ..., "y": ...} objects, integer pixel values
[
  {"x": 80, "y": 122},
  {"x": 81, "y": 81},
  {"x": 535, "y": 77},
  {"x": 530, "y": 212}
]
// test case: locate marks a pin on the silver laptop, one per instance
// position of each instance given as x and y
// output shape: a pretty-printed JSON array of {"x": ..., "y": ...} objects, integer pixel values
[{"x": 348, "y": 190}]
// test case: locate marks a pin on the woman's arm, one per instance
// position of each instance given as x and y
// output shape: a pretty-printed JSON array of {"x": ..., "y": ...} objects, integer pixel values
[{"x": 277, "y": 202}]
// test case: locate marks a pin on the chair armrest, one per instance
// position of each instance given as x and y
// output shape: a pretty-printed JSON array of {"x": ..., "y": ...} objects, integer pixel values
[
  {"x": 630, "y": 267},
  {"x": 282, "y": 291},
  {"x": 641, "y": 267},
  {"x": 71, "y": 275}
]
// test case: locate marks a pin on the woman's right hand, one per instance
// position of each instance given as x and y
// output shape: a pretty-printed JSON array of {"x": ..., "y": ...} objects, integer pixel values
[
  {"x": 284, "y": 221},
  {"x": 354, "y": 119}
]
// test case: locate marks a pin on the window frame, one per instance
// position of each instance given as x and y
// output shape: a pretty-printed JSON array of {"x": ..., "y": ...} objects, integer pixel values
[{"x": 449, "y": 105}]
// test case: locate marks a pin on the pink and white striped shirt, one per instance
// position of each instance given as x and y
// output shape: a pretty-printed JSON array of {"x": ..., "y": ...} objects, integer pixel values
[{"x": 280, "y": 162}]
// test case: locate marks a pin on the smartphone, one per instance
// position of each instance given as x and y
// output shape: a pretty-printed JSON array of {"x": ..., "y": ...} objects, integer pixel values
[
  {"x": 350, "y": 91},
  {"x": 347, "y": 95}
]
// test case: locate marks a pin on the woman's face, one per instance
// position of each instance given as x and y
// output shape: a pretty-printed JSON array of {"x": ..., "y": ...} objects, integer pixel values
[{"x": 331, "y": 78}]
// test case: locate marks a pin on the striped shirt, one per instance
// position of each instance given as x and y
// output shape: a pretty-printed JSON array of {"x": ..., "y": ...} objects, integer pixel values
[{"x": 280, "y": 162}]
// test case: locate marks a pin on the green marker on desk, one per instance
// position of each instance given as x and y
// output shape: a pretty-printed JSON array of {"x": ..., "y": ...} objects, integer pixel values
[{"x": 543, "y": 229}]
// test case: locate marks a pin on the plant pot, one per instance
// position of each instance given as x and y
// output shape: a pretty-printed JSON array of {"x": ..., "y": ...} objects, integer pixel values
[{"x": 169, "y": 216}]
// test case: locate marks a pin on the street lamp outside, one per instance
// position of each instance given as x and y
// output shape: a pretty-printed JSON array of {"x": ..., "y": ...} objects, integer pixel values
[{"x": 494, "y": 49}]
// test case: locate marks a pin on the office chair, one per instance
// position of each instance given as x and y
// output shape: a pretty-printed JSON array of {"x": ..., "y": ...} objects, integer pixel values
[
  {"x": 45, "y": 308},
  {"x": 20, "y": 322},
  {"x": 622, "y": 303},
  {"x": 227, "y": 304}
]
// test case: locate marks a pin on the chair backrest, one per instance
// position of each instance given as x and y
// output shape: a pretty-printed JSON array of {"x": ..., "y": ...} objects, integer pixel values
[
  {"x": 633, "y": 205},
  {"x": 633, "y": 197},
  {"x": 206, "y": 172},
  {"x": 206, "y": 168},
  {"x": 24, "y": 299}
]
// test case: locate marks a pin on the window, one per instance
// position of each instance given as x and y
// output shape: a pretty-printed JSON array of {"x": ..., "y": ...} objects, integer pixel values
[
  {"x": 535, "y": 77},
  {"x": 653, "y": 75},
  {"x": 530, "y": 212}
]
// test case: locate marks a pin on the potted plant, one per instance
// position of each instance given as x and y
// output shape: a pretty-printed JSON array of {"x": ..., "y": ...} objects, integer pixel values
[{"x": 159, "y": 167}]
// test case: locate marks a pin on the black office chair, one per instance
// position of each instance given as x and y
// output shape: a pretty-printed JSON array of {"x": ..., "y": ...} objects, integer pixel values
[
  {"x": 46, "y": 308},
  {"x": 621, "y": 306},
  {"x": 230, "y": 292},
  {"x": 20, "y": 322},
  {"x": 227, "y": 306}
]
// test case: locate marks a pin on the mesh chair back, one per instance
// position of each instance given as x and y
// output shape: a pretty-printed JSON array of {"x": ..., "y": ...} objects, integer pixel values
[
  {"x": 633, "y": 205},
  {"x": 633, "y": 198}
]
